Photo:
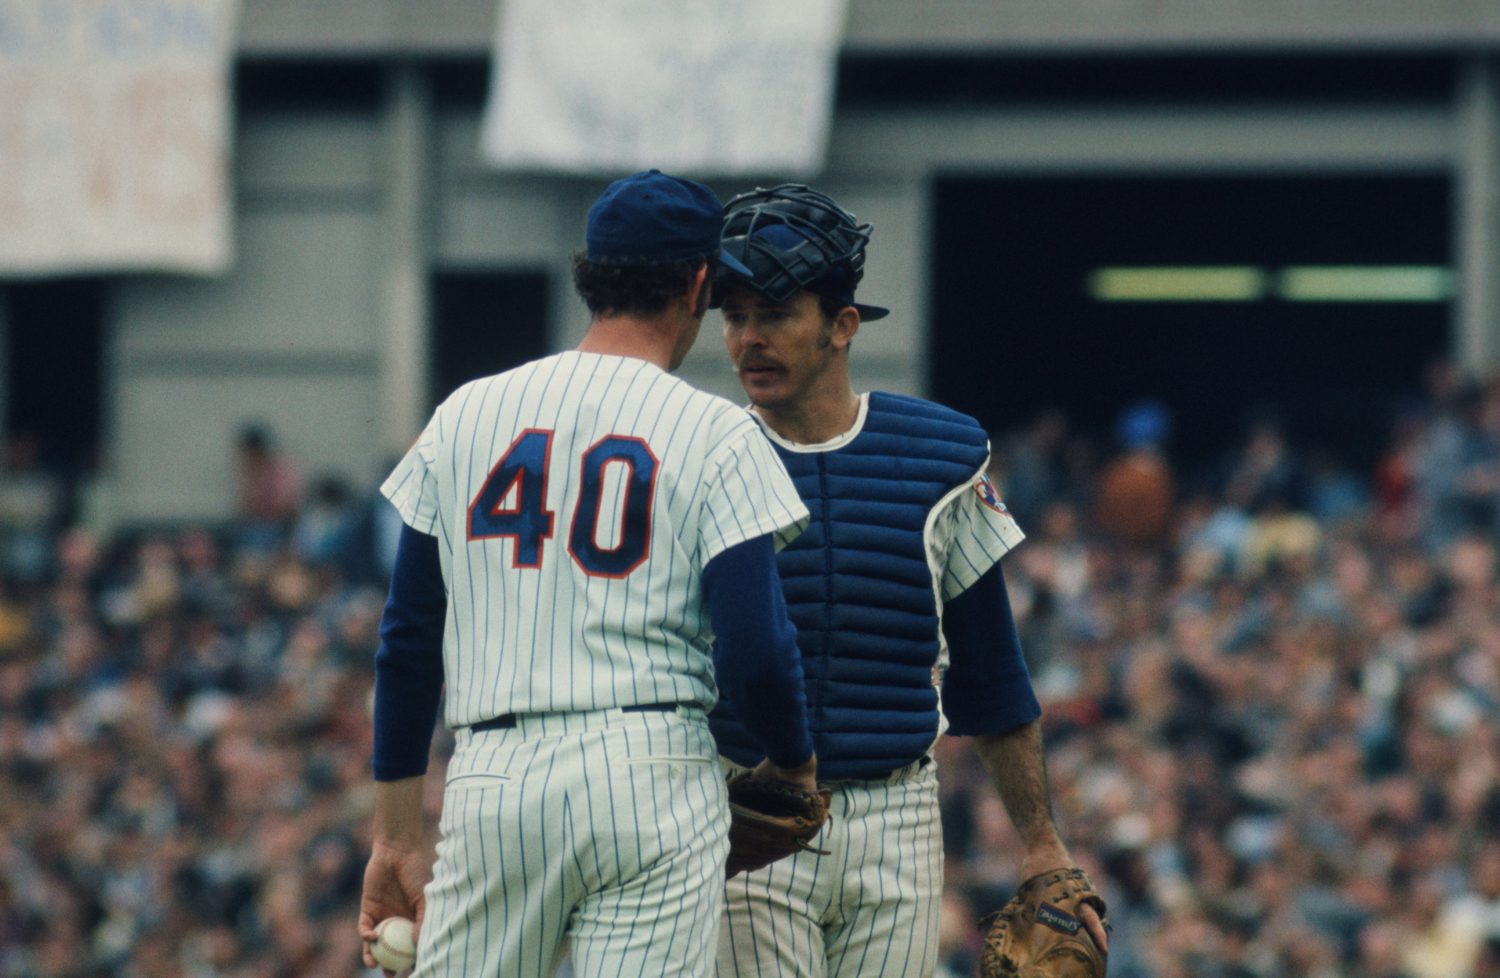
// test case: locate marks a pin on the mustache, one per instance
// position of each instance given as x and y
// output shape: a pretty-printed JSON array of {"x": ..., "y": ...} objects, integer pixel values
[{"x": 754, "y": 362}]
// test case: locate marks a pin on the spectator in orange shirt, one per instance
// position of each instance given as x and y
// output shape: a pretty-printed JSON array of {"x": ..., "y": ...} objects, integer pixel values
[{"x": 1136, "y": 489}]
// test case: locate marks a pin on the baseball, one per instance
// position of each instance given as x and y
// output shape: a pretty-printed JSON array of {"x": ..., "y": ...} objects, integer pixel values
[{"x": 395, "y": 946}]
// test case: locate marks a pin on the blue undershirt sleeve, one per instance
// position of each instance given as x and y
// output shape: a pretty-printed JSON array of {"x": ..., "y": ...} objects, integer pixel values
[
  {"x": 987, "y": 689},
  {"x": 409, "y": 664},
  {"x": 758, "y": 664}
]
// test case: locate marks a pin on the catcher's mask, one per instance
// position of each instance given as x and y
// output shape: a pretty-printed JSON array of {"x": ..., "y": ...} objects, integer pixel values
[{"x": 792, "y": 237}]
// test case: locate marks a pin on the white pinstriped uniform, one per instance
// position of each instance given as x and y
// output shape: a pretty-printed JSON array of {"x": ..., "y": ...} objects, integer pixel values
[
  {"x": 871, "y": 907},
  {"x": 576, "y": 500}
]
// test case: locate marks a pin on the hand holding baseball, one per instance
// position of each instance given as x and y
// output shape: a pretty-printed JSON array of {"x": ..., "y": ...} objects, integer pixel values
[
  {"x": 395, "y": 945},
  {"x": 394, "y": 879}
]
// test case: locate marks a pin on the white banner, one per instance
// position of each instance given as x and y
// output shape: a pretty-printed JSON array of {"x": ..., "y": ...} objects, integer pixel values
[
  {"x": 114, "y": 135},
  {"x": 605, "y": 86}
]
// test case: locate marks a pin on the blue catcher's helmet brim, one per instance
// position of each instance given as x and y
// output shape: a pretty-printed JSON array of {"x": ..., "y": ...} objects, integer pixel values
[
  {"x": 733, "y": 264},
  {"x": 868, "y": 312}
]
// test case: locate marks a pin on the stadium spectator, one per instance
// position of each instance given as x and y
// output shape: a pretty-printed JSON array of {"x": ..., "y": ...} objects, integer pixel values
[
  {"x": 1136, "y": 489},
  {"x": 269, "y": 485},
  {"x": 1031, "y": 465},
  {"x": 1263, "y": 467},
  {"x": 32, "y": 501},
  {"x": 320, "y": 533}
]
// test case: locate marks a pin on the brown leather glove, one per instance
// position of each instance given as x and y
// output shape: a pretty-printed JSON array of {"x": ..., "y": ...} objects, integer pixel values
[
  {"x": 770, "y": 820},
  {"x": 1039, "y": 934}
]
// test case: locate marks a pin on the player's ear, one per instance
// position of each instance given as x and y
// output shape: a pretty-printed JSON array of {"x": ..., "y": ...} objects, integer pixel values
[
  {"x": 697, "y": 294},
  {"x": 845, "y": 325}
]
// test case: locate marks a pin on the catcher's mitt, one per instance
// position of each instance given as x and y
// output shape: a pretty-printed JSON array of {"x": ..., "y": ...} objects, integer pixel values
[
  {"x": 1039, "y": 934},
  {"x": 770, "y": 820}
]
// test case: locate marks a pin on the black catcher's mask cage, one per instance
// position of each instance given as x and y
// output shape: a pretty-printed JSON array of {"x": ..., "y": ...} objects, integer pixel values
[{"x": 826, "y": 248}]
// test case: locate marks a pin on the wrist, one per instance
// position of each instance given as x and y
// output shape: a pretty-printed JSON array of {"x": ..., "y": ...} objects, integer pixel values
[
  {"x": 398, "y": 814},
  {"x": 808, "y": 767},
  {"x": 1049, "y": 855},
  {"x": 397, "y": 845}
]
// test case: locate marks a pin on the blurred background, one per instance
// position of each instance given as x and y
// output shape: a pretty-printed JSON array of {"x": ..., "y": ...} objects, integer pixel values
[{"x": 1221, "y": 279}]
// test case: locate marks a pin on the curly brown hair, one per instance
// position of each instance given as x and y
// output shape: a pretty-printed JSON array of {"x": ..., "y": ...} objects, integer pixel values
[{"x": 633, "y": 288}]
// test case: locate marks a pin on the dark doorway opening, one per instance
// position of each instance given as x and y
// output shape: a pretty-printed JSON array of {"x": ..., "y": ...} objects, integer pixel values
[
  {"x": 54, "y": 352},
  {"x": 484, "y": 322},
  {"x": 1016, "y": 328}
]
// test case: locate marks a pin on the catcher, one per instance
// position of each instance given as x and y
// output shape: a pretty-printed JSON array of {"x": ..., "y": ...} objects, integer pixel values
[{"x": 905, "y": 629}]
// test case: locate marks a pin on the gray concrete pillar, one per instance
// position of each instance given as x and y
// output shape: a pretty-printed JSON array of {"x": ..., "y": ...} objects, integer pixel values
[
  {"x": 404, "y": 300},
  {"x": 1476, "y": 326}
]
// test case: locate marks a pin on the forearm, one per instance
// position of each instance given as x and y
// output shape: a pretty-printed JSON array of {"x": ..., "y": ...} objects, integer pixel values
[
  {"x": 399, "y": 859},
  {"x": 1018, "y": 769},
  {"x": 398, "y": 813}
]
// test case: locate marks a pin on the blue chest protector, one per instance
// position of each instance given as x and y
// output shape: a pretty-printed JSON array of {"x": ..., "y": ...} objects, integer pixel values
[{"x": 859, "y": 588}]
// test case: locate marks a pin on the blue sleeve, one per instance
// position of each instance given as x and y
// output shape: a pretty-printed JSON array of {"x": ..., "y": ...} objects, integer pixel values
[
  {"x": 409, "y": 664},
  {"x": 987, "y": 689},
  {"x": 758, "y": 664}
]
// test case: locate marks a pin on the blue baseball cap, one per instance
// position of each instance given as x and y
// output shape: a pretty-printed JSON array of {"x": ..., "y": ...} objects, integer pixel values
[
  {"x": 1144, "y": 423},
  {"x": 652, "y": 217}
]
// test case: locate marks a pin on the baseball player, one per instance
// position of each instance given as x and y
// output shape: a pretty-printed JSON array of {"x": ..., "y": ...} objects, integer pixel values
[
  {"x": 578, "y": 531},
  {"x": 901, "y": 610}
]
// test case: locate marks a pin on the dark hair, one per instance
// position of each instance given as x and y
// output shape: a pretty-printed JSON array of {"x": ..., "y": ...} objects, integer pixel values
[
  {"x": 831, "y": 307},
  {"x": 639, "y": 288},
  {"x": 255, "y": 437}
]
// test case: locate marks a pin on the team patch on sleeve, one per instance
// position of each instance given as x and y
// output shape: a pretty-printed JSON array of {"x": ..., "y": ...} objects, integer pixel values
[{"x": 985, "y": 490}]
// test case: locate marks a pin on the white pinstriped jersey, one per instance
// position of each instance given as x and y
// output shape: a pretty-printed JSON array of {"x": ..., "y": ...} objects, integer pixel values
[
  {"x": 969, "y": 532},
  {"x": 577, "y": 499},
  {"x": 966, "y": 535}
]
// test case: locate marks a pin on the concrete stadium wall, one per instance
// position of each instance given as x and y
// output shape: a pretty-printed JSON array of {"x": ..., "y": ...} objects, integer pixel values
[
  {"x": 321, "y": 329},
  {"x": 289, "y": 337},
  {"x": 943, "y": 26}
]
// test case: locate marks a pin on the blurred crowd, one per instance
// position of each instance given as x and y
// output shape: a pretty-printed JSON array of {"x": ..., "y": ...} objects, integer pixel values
[
  {"x": 1272, "y": 692},
  {"x": 185, "y": 732}
]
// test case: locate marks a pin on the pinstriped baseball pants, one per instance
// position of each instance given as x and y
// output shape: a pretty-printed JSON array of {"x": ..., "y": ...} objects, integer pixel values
[
  {"x": 870, "y": 909},
  {"x": 603, "y": 831}
]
